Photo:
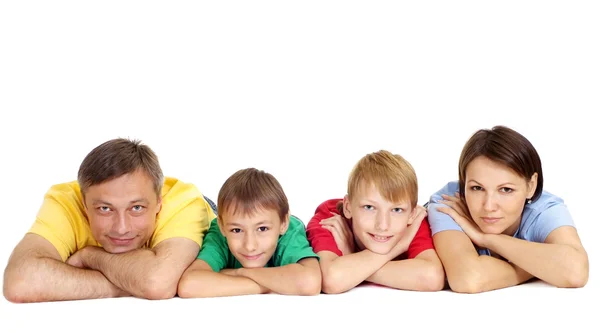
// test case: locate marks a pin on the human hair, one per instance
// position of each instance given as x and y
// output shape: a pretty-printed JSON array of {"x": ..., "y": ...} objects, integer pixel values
[
  {"x": 249, "y": 190},
  {"x": 118, "y": 157},
  {"x": 391, "y": 174},
  {"x": 505, "y": 146}
]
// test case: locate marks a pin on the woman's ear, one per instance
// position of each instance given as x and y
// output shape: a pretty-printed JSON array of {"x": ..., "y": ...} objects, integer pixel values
[{"x": 532, "y": 186}]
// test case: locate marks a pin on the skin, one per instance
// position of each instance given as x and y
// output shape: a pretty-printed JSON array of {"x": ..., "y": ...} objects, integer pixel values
[
  {"x": 381, "y": 230},
  {"x": 122, "y": 216},
  {"x": 252, "y": 239},
  {"x": 490, "y": 214}
]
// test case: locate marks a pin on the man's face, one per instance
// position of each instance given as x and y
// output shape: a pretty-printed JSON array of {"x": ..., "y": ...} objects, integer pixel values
[{"x": 122, "y": 211}]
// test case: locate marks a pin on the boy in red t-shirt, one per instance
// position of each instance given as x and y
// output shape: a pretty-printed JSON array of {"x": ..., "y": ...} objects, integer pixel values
[{"x": 377, "y": 232}]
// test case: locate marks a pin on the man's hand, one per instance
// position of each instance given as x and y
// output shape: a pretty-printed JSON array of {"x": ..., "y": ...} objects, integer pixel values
[
  {"x": 77, "y": 259},
  {"x": 344, "y": 238}
]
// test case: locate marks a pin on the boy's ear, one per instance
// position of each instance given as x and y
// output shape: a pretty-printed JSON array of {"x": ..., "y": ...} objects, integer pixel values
[
  {"x": 220, "y": 224},
  {"x": 413, "y": 214},
  {"x": 284, "y": 224},
  {"x": 346, "y": 208}
]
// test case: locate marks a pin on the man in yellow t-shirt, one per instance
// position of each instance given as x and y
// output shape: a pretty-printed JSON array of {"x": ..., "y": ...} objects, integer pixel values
[{"x": 121, "y": 229}]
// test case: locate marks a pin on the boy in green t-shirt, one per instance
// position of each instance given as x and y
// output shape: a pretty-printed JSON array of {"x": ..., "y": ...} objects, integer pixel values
[{"x": 253, "y": 246}]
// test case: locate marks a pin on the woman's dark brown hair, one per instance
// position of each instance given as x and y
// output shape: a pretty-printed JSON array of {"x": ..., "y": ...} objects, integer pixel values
[{"x": 505, "y": 146}]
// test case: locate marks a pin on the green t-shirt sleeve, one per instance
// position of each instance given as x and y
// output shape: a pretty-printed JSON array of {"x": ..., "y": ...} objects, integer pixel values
[
  {"x": 214, "y": 251},
  {"x": 293, "y": 245}
]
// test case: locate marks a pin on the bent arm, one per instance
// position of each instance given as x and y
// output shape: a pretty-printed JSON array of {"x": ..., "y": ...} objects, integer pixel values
[
  {"x": 151, "y": 273},
  {"x": 302, "y": 278},
  {"x": 36, "y": 273},
  {"x": 422, "y": 273},
  {"x": 340, "y": 274},
  {"x": 561, "y": 261},
  {"x": 199, "y": 280},
  {"x": 468, "y": 272}
]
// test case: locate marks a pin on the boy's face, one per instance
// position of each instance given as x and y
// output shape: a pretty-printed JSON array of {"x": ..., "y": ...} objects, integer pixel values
[
  {"x": 253, "y": 239},
  {"x": 377, "y": 224}
]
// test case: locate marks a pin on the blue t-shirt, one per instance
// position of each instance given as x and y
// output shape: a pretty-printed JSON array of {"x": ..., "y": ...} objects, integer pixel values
[{"x": 538, "y": 220}]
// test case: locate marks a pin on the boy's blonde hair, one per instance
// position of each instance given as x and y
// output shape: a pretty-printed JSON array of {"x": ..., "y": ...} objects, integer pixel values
[{"x": 391, "y": 174}]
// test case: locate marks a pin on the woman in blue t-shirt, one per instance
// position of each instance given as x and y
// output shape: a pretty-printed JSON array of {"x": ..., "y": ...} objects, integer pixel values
[{"x": 496, "y": 227}]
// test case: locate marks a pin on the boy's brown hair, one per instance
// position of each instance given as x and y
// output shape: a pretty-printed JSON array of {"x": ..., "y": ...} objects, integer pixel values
[
  {"x": 391, "y": 174},
  {"x": 248, "y": 190}
]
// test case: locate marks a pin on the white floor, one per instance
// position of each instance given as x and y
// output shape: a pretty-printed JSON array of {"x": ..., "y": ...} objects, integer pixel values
[
  {"x": 303, "y": 90},
  {"x": 534, "y": 307}
]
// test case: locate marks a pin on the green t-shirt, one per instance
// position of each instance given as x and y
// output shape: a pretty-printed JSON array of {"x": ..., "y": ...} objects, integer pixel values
[{"x": 291, "y": 247}]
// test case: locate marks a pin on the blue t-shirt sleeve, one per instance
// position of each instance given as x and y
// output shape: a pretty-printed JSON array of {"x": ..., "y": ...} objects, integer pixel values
[
  {"x": 547, "y": 221},
  {"x": 439, "y": 221}
]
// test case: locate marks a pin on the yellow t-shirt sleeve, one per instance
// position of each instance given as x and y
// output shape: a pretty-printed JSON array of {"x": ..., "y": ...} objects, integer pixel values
[
  {"x": 55, "y": 224},
  {"x": 185, "y": 214}
]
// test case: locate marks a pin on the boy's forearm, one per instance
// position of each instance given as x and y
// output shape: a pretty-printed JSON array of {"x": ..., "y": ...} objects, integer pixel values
[
  {"x": 346, "y": 272},
  {"x": 410, "y": 274},
  {"x": 291, "y": 279},
  {"x": 203, "y": 283}
]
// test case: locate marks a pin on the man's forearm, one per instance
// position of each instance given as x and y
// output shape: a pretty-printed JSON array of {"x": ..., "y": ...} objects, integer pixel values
[
  {"x": 131, "y": 271},
  {"x": 45, "y": 279}
]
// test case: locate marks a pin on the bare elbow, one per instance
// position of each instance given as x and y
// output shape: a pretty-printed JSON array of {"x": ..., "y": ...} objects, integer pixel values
[
  {"x": 185, "y": 287},
  {"x": 309, "y": 284},
  {"x": 157, "y": 289},
  {"x": 16, "y": 290},
  {"x": 434, "y": 278},
  {"x": 331, "y": 282},
  {"x": 465, "y": 284},
  {"x": 578, "y": 277}
]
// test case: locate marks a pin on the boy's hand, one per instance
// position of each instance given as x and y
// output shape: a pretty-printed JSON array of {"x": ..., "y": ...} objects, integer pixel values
[
  {"x": 344, "y": 238},
  {"x": 408, "y": 236}
]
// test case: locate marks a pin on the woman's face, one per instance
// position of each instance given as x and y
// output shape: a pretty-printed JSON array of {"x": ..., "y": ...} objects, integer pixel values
[{"x": 496, "y": 195}]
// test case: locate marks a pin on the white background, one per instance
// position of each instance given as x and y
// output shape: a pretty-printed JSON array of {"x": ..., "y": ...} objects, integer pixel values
[{"x": 303, "y": 90}]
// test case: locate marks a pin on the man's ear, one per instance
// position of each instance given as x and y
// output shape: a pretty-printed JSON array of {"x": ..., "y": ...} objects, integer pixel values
[
  {"x": 346, "y": 208},
  {"x": 159, "y": 205},
  {"x": 284, "y": 224}
]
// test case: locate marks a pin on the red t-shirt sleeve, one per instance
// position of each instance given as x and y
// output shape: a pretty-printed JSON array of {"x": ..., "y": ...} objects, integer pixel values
[
  {"x": 320, "y": 238},
  {"x": 422, "y": 241}
]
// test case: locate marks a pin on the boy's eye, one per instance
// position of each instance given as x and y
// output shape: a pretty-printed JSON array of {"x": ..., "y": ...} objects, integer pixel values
[
  {"x": 368, "y": 207},
  {"x": 398, "y": 210},
  {"x": 263, "y": 228},
  {"x": 236, "y": 230}
]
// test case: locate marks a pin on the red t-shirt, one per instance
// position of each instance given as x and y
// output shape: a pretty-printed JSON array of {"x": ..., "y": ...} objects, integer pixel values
[{"x": 321, "y": 239}]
